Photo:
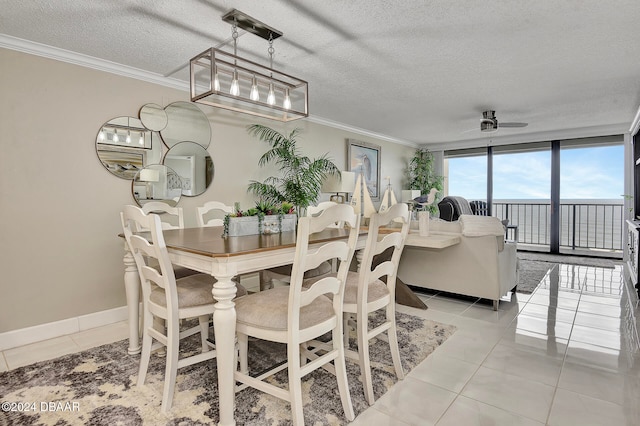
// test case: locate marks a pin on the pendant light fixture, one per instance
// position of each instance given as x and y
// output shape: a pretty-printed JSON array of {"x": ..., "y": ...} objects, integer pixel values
[
  {"x": 287, "y": 96},
  {"x": 255, "y": 93}
]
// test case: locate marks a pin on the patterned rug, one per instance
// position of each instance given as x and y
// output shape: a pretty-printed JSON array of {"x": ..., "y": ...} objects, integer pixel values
[{"x": 97, "y": 386}]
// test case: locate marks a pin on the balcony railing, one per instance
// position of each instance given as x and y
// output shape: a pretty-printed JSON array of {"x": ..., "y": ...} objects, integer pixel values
[{"x": 583, "y": 225}]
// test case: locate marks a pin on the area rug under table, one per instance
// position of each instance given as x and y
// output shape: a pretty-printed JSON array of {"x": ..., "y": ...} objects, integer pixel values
[{"x": 97, "y": 386}]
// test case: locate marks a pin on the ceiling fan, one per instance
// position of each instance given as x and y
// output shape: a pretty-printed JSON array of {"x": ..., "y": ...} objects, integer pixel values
[{"x": 489, "y": 122}]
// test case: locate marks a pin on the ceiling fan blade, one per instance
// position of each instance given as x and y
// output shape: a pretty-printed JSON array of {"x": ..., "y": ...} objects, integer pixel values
[{"x": 512, "y": 124}]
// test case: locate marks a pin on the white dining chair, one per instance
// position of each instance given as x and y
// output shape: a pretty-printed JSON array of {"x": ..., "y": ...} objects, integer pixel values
[
  {"x": 167, "y": 299},
  {"x": 283, "y": 273},
  {"x": 372, "y": 288},
  {"x": 366, "y": 292},
  {"x": 294, "y": 315},
  {"x": 170, "y": 218},
  {"x": 203, "y": 212}
]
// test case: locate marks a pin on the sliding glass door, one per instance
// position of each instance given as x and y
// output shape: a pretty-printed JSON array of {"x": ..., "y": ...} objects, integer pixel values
[
  {"x": 522, "y": 191},
  {"x": 564, "y": 196},
  {"x": 591, "y": 195}
]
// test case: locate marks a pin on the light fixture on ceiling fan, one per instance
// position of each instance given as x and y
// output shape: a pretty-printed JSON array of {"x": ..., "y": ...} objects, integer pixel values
[
  {"x": 489, "y": 122},
  {"x": 228, "y": 81}
]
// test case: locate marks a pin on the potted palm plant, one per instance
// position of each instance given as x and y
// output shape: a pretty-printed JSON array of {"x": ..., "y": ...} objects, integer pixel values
[
  {"x": 300, "y": 178},
  {"x": 422, "y": 177}
]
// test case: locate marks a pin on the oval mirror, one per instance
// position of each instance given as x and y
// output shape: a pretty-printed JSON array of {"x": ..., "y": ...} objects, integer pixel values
[
  {"x": 124, "y": 146},
  {"x": 156, "y": 182},
  {"x": 153, "y": 117},
  {"x": 186, "y": 122},
  {"x": 194, "y": 165}
]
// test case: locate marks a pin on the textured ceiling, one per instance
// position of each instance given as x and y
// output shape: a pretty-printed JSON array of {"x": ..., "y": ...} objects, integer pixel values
[{"x": 414, "y": 70}]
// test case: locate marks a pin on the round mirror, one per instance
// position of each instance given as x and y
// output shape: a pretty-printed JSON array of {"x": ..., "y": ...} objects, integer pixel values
[
  {"x": 186, "y": 122},
  {"x": 156, "y": 182},
  {"x": 153, "y": 117},
  {"x": 124, "y": 146},
  {"x": 194, "y": 165}
]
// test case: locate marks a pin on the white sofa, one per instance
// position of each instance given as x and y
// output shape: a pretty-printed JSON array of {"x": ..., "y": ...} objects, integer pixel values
[{"x": 481, "y": 265}]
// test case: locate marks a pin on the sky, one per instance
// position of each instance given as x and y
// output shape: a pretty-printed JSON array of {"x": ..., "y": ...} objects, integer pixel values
[{"x": 585, "y": 173}]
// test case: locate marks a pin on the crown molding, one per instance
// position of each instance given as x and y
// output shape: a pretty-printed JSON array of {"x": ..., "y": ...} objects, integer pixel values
[
  {"x": 582, "y": 132},
  {"x": 63, "y": 55},
  {"x": 363, "y": 132}
]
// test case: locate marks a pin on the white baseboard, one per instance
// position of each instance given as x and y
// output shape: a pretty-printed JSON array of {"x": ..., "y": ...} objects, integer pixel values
[{"x": 37, "y": 333}]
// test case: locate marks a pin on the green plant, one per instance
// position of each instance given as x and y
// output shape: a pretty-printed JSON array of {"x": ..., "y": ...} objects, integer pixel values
[
  {"x": 300, "y": 177},
  {"x": 261, "y": 209},
  {"x": 422, "y": 177}
]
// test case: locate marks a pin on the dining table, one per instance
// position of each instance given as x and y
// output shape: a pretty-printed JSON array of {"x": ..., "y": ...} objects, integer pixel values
[{"x": 206, "y": 250}]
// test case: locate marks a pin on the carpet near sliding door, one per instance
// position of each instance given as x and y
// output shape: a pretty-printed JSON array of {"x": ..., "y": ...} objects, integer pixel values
[
  {"x": 532, "y": 267},
  {"x": 102, "y": 383}
]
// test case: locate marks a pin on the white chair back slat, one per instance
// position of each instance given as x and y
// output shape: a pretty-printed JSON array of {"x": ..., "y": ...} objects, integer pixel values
[
  {"x": 212, "y": 206},
  {"x": 333, "y": 250},
  {"x": 327, "y": 285},
  {"x": 171, "y": 217}
]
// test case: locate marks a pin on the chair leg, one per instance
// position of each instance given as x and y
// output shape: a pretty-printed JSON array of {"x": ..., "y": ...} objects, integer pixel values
[
  {"x": 341, "y": 375},
  {"x": 295, "y": 384},
  {"x": 145, "y": 355},
  {"x": 363, "y": 354},
  {"x": 392, "y": 334},
  {"x": 243, "y": 349},
  {"x": 204, "y": 331},
  {"x": 171, "y": 369},
  {"x": 266, "y": 281},
  {"x": 495, "y": 305}
]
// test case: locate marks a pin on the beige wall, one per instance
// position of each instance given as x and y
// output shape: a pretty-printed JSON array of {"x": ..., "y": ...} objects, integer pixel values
[{"x": 60, "y": 256}]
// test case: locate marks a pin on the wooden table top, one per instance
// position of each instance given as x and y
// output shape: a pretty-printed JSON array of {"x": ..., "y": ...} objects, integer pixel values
[{"x": 208, "y": 241}]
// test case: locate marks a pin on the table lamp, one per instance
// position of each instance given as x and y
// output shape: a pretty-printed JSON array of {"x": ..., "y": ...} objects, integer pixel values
[{"x": 334, "y": 184}]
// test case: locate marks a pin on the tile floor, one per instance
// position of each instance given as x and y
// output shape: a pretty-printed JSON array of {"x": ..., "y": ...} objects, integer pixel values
[{"x": 565, "y": 355}]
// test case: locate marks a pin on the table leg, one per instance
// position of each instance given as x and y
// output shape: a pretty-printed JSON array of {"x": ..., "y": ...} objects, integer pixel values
[
  {"x": 132, "y": 291},
  {"x": 224, "y": 328}
]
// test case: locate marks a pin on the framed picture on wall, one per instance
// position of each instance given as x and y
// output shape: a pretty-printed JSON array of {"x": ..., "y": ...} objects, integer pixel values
[{"x": 364, "y": 158}]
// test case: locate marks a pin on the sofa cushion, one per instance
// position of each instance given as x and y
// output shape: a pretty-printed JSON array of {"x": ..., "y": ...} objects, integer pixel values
[
  {"x": 440, "y": 225},
  {"x": 479, "y": 226}
]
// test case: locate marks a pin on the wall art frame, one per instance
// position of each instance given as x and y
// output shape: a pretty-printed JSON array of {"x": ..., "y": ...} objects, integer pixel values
[{"x": 365, "y": 158}]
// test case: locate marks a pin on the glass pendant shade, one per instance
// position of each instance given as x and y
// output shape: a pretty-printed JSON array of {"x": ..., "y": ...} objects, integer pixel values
[
  {"x": 271, "y": 97},
  {"x": 216, "y": 82},
  {"x": 287, "y": 100},
  {"x": 255, "y": 94},
  {"x": 235, "y": 86},
  {"x": 128, "y": 140},
  {"x": 115, "y": 136}
]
